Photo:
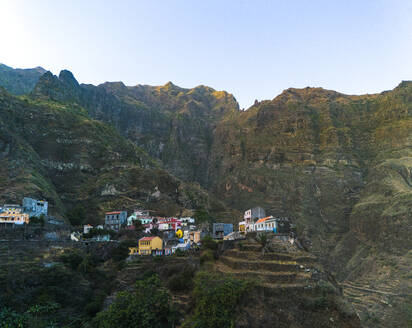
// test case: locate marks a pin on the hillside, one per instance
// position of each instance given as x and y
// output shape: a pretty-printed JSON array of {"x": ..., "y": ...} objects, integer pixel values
[
  {"x": 56, "y": 151},
  {"x": 172, "y": 124},
  {"x": 338, "y": 165}
]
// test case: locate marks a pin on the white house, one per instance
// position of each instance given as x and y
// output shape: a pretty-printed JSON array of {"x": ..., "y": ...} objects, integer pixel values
[
  {"x": 251, "y": 215},
  {"x": 87, "y": 228},
  {"x": 266, "y": 224}
]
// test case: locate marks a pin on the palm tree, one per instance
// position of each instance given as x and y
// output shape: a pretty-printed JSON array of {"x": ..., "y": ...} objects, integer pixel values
[{"x": 263, "y": 240}]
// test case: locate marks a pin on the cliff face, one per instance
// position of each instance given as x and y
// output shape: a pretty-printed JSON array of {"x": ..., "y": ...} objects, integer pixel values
[
  {"x": 54, "y": 150},
  {"x": 172, "y": 124}
]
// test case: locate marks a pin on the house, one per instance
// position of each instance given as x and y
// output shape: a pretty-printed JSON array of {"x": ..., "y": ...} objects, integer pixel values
[
  {"x": 194, "y": 237},
  {"x": 13, "y": 214},
  {"x": 34, "y": 207},
  {"x": 170, "y": 224},
  {"x": 242, "y": 226},
  {"x": 142, "y": 215},
  {"x": 115, "y": 220},
  {"x": 234, "y": 236},
  {"x": 276, "y": 225},
  {"x": 75, "y": 236},
  {"x": 265, "y": 224},
  {"x": 181, "y": 246},
  {"x": 187, "y": 221},
  {"x": 87, "y": 228},
  {"x": 221, "y": 229},
  {"x": 101, "y": 238},
  {"x": 149, "y": 244},
  {"x": 133, "y": 250},
  {"x": 252, "y": 215}
]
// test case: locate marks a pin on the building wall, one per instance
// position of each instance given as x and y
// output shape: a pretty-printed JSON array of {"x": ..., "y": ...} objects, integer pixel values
[
  {"x": 14, "y": 217},
  {"x": 35, "y": 207},
  {"x": 146, "y": 246}
]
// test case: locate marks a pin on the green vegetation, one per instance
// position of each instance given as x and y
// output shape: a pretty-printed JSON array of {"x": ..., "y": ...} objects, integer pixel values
[
  {"x": 216, "y": 298},
  {"x": 37, "y": 220},
  {"x": 77, "y": 215},
  {"x": 147, "y": 307}
]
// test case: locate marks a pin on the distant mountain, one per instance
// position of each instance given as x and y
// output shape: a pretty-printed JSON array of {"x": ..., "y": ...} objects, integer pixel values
[{"x": 19, "y": 81}]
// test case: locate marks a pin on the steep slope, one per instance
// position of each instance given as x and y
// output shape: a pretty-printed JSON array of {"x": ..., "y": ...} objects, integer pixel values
[
  {"x": 290, "y": 287},
  {"x": 169, "y": 122},
  {"x": 340, "y": 167},
  {"x": 56, "y": 151},
  {"x": 19, "y": 81}
]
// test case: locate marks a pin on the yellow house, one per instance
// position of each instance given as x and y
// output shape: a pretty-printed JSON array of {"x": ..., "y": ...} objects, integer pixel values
[
  {"x": 149, "y": 244},
  {"x": 133, "y": 250},
  {"x": 242, "y": 226},
  {"x": 13, "y": 214}
]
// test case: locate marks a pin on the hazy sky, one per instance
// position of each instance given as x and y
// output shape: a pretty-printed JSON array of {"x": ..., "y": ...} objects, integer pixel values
[{"x": 253, "y": 49}]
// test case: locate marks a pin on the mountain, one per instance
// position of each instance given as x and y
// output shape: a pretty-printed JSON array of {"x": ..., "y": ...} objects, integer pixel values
[
  {"x": 172, "y": 124},
  {"x": 338, "y": 165},
  {"x": 55, "y": 151},
  {"x": 19, "y": 81}
]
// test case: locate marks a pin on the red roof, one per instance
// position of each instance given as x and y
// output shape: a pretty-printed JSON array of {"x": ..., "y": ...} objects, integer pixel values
[
  {"x": 146, "y": 238},
  {"x": 263, "y": 220},
  {"x": 108, "y": 213}
]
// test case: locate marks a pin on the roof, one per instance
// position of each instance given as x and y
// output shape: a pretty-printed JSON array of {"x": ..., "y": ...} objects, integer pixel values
[
  {"x": 263, "y": 219},
  {"x": 147, "y": 238},
  {"x": 117, "y": 212}
]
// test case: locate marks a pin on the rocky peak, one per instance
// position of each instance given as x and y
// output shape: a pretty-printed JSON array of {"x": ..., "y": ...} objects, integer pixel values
[
  {"x": 64, "y": 88},
  {"x": 67, "y": 78}
]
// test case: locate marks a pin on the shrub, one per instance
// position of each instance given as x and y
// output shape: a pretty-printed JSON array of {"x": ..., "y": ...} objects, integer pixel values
[
  {"x": 121, "y": 252},
  {"x": 207, "y": 256},
  {"x": 209, "y": 243},
  {"x": 147, "y": 307},
  {"x": 180, "y": 253},
  {"x": 37, "y": 220},
  {"x": 77, "y": 215},
  {"x": 72, "y": 258},
  {"x": 216, "y": 298},
  {"x": 182, "y": 280}
]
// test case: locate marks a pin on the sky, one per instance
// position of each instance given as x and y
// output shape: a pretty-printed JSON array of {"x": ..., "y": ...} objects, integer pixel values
[{"x": 253, "y": 49}]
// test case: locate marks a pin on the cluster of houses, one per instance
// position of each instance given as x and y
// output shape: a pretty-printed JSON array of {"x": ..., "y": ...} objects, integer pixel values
[
  {"x": 166, "y": 235},
  {"x": 13, "y": 214},
  {"x": 255, "y": 219}
]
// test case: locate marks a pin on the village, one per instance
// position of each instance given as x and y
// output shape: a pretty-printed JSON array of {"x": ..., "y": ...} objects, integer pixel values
[{"x": 160, "y": 236}]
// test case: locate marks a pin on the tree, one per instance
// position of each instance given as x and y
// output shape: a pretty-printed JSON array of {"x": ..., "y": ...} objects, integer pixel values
[
  {"x": 77, "y": 215},
  {"x": 37, "y": 220},
  {"x": 201, "y": 216},
  {"x": 264, "y": 241},
  {"x": 138, "y": 226},
  {"x": 148, "y": 306}
]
